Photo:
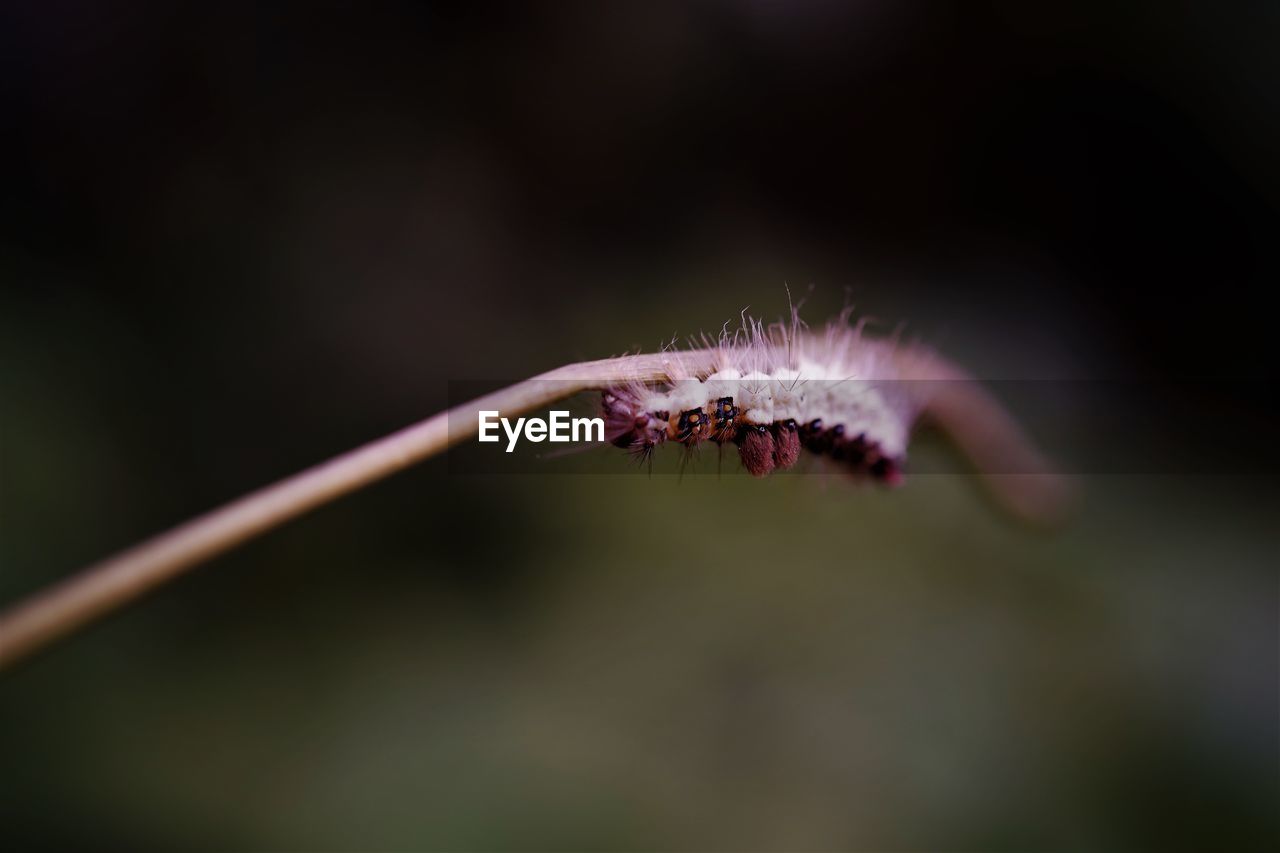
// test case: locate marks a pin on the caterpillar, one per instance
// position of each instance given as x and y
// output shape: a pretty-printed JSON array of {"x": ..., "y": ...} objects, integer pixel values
[{"x": 773, "y": 390}]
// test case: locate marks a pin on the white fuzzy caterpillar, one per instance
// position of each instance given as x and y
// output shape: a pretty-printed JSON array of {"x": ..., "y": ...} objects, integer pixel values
[{"x": 772, "y": 390}]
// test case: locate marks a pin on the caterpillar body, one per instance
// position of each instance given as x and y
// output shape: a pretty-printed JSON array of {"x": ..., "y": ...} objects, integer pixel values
[{"x": 774, "y": 390}]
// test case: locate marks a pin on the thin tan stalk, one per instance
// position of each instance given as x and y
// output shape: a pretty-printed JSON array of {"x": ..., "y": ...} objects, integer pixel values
[{"x": 973, "y": 419}]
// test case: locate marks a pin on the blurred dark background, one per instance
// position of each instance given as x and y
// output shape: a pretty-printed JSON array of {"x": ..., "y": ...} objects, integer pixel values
[{"x": 239, "y": 239}]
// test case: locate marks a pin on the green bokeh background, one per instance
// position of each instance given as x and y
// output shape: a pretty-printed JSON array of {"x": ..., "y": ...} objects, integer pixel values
[{"x": 238, "y": 241}]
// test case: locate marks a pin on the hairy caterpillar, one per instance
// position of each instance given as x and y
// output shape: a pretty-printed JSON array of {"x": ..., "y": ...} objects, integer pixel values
[{"x": 773, "y": 390}]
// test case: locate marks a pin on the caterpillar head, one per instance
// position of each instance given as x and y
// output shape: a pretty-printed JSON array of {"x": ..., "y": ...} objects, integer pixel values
[{"x": 630, "y": 424}]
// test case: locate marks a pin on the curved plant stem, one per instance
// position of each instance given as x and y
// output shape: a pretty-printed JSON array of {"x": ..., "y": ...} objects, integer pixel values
[
  {"x": 104, "y": 586},
  {"x": 974, "y": 420}
]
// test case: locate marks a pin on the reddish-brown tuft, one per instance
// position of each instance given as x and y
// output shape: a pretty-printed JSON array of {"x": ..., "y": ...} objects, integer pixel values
[
  {"x": 756, "y": 449},
  {"x": 786, "y": 444}
]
